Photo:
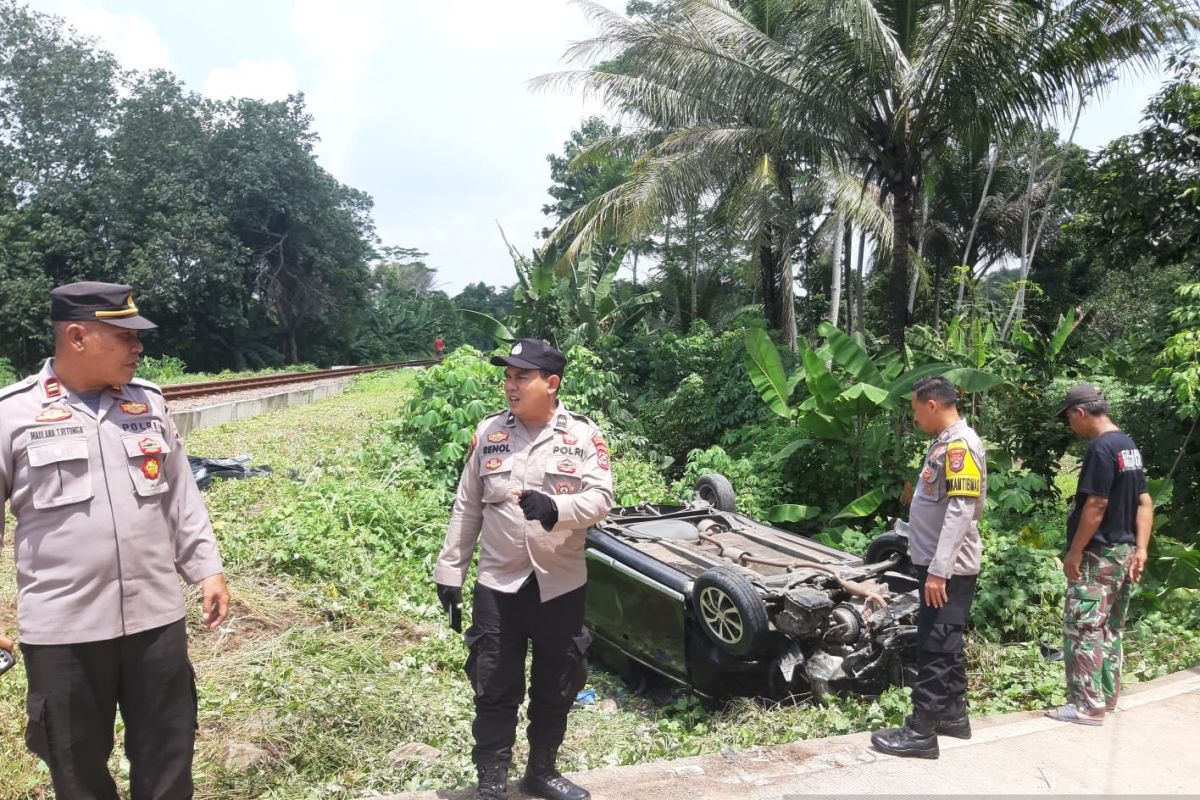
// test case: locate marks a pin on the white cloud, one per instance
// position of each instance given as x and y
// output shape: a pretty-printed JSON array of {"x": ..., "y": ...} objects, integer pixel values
[
  {"x": 274, "y": 79},
  {"x": 490, "y": 26},
  {"x": 343, "y": 37},
  {"x": 130, "y": 37}
]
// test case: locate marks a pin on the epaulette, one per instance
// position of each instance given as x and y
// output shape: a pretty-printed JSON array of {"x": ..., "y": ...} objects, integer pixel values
[
  {"x": 499, "y": 413},
  {"x": 583, "y": 418},
  {"x": 145, "y": 384},
  {"x": 23, "y": 385}
]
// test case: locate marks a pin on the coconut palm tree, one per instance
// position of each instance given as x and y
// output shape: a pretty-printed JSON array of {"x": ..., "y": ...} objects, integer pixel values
[{"x": 752, "y": 99}]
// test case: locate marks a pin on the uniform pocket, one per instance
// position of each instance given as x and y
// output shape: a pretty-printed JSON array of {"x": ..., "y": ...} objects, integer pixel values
[
  {"x": 1083, "y": 607},
  {"x": 563, "y": 475},
  {"x": 481, "y": 658},
  {"x": 146, "y": 453},
  {"x": 195, "y": 697},
  {"x": 575, "y": 677},
  {"x": 932, "y": 486},
  {"x": 60, "y": 473},
  {"x": 944, "y": 638},
  {"x": 36, "y": 737}
]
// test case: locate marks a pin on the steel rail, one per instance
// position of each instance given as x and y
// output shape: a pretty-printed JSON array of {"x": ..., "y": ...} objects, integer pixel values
[{"x": 180, "y": 391}]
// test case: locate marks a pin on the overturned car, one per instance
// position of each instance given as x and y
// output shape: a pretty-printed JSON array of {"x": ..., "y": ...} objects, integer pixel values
[{"x": 724, "y": 605}]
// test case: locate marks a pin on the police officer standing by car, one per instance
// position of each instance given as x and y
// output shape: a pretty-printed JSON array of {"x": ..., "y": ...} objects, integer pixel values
[
  {"x": 536, "y": 477},
  {"x": 945, "y": 550},
  {"x": 108, "y": 518}
]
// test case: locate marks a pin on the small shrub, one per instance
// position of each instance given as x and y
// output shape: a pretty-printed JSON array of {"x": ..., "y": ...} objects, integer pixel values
[
  {"x": 1021, "y": 586},
  {"x": 161, "y": 369},
  {"x": 450, "y": 400},
  {"x": 757, "y": 485},
  {"x": 7, "y": 373}
]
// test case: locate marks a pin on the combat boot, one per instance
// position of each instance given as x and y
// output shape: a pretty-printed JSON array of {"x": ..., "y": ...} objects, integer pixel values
[
  {"x": 955, "y": 722},
  {"x": 917, "y": 739},
  {"x": 543, "y": 780},
  {"x": 493, "y": 780}
]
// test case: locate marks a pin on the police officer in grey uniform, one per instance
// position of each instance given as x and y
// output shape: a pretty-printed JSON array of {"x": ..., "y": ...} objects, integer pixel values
[
  {"x": 945, "y": 549},
  {"x": 536, "y": 477},
  {"x": 108, "y": 520}
]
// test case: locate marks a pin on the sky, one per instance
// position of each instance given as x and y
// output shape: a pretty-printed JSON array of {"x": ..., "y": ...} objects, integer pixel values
[{"x": 423, "y": 104}]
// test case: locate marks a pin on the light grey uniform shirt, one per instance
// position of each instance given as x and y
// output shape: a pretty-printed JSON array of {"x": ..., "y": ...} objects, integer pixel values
[
  {"x": 567, "y": 459},
  {"x": 947, "y": 503},
  {"x": 108, "y": 514}
]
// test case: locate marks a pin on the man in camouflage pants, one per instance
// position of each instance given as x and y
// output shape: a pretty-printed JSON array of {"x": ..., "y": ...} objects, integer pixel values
[{"x": 1108, "y": 533}]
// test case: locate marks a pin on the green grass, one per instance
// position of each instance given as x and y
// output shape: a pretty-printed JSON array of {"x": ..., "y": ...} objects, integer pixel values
[{"x": 337, "y": 654}]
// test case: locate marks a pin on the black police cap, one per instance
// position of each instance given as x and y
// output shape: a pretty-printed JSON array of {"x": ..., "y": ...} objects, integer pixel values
[
  {"x": 90, "y": 301},
  {"x": 533, "y": 354}
]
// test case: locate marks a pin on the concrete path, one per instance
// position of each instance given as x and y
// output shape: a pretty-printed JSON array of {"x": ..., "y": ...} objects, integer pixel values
[{"x": 1149, "y": 747}]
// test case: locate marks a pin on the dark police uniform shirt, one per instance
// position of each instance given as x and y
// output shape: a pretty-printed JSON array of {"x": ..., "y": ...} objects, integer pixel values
[{"x": 1112, "y": 468}]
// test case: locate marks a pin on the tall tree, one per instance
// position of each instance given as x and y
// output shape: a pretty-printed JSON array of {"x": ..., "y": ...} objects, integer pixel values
[
  {"x": 309, "y": 236},
  {"x": 875, "y": 87},
  {"x": 57, "y": 106}
]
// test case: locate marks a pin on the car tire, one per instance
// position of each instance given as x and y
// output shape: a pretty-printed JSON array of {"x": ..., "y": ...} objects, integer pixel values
[
  {"x": 730, "y": 612},
  {"x": 716, "y": 490},
  {"x": 885, "y": 546}
]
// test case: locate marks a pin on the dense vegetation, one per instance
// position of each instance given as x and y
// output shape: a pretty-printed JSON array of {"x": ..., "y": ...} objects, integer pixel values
[
  {"x": 337, "y": 653},
  {"x": 748, "y": 275}
]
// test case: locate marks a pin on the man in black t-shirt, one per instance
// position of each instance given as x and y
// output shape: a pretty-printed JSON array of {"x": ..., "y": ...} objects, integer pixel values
[{"x": 1108, "y": 532}]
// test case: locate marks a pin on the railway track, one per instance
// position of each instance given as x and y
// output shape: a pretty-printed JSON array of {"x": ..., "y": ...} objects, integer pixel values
[{"x": 180, "y": 391}]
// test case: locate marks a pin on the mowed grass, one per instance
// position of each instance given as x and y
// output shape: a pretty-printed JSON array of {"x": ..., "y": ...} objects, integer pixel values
[{"x": 336, "y": 654}]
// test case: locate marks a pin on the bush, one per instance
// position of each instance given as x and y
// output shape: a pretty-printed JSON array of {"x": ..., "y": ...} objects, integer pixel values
[
  {"x": 161, "y": 369},
  {"x": 758, "y": 485},
  {"x": 358, "y": 534},
  {"x": 590, "y": 389},
  {"x": 450, "y": 400},
  {"x": 1021, "y": 586},
  {"x": 7, "y": 373},
  {"x": 636, "y": 480},
  {"x": 690, "y": 389}
]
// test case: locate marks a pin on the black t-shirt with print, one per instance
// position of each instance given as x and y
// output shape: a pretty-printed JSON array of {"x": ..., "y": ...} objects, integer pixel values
[{"x": 1112, "y": 468}]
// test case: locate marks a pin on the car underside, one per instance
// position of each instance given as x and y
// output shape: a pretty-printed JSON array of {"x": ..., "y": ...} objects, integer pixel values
[{"x": 728, "y": 606}]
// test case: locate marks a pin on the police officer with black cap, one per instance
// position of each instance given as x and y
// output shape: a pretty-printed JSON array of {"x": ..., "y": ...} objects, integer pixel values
[
  {"x": 536, "y": 477},
  {"x": 108, "y": 520}
]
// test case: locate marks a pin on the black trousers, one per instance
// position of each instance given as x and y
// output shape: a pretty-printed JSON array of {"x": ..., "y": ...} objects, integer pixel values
[
  {"x": 941, "y": 683},
  {"x": 502, "y": 627},
  {"x": 74, "y": 692}
]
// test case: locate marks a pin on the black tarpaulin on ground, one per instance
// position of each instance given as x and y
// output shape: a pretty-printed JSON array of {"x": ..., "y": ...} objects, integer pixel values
[{"x": 205, "y": 469}]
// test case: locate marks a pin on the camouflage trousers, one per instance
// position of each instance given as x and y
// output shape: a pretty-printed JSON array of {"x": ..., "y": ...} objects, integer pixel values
[{"x": 1092, "y": 625}]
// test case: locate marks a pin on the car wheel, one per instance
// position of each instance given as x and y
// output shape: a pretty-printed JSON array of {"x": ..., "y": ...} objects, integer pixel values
[
  {"x": 887, "y": 546},
  {"x": 730, "y": 612},
  {"x": 716, "y": 490}
]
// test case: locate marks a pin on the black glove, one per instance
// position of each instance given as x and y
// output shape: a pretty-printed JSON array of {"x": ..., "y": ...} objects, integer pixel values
[
  {"x": 536, "y": 505},
  {"x": 451, "y": 599}
]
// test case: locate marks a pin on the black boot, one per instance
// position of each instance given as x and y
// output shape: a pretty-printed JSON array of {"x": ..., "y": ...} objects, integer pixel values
[
  {"x": 917, "y": 739},
  {"x": 955, "y": 722},
  {"x": 543, "y": 780},
  {"x": 493, "y": 780}
]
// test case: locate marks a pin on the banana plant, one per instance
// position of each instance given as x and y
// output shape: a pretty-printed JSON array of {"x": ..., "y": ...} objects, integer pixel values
[
  {"x": 591, "y": 300},
  {"x": 575, "y": 307},
  {"x": 840, "y": 407},
  {"x": 1044, "y": 353}
]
